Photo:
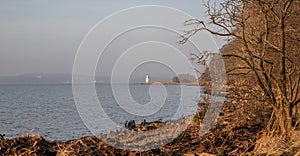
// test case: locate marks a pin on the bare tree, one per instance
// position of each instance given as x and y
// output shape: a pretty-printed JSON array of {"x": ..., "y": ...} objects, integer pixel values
[{"x": 268, "y": 46}]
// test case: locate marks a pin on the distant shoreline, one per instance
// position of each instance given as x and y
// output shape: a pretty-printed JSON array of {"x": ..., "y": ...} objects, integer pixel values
[{"x": 171, "y": 83}]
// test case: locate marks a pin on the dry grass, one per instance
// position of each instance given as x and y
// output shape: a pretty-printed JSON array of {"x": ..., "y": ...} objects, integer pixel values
[
  {"x": 278, "y": 145},
  {"x": 238, "y": 131}
]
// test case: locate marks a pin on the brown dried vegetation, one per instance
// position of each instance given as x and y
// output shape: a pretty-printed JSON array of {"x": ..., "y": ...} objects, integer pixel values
[
  {"x": 262, "y": 64},
  {"x": 263, "y": 77}
]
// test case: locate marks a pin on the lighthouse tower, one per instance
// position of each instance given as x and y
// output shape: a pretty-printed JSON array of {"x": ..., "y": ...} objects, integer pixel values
[{"x": 147, "y": 78}]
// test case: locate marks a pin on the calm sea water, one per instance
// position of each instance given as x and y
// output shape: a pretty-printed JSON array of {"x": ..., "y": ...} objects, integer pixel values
[{"x": 50, "y": 110}]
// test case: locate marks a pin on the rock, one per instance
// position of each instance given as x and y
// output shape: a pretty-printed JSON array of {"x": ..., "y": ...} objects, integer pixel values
[
  {"x": 143, "y": 123},
  {"x": 2, "y": 136},
  {"x": 130, "y": 124}
]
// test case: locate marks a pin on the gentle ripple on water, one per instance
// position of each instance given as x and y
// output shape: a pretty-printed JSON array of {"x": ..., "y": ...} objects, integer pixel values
[{"x": 51, "y": 112}]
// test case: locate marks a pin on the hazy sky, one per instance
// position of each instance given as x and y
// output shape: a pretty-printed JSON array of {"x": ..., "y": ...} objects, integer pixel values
[{"x": 42, "y": 36}]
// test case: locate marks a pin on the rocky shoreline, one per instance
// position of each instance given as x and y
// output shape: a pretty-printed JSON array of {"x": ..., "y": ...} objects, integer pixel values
[
  {"x": 236, "y": 132},
  {"x": 132, "y": 141},
  {"x": 136, "y": 137}
]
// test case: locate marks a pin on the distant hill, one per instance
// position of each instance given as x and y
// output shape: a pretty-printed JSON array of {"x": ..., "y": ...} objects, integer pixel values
[
  {"x": 65, "y": 79},
  {"x": 43, "y": 79},
  {"x": 37, "y": 79}
]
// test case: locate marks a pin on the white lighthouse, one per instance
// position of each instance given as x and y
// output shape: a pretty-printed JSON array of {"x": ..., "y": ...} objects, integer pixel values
[{"x": 147, "y": 78}]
